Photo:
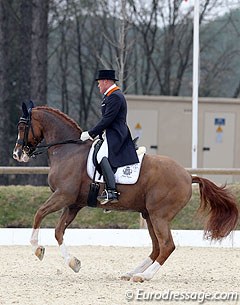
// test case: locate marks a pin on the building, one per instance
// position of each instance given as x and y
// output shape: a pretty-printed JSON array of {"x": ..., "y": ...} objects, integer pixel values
[{"x": 164, "y": 126}]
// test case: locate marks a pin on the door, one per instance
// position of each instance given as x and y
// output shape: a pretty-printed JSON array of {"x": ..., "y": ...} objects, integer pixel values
[
  {"x": 144, "y": 124},
  {"x": 218, "y": 149}
]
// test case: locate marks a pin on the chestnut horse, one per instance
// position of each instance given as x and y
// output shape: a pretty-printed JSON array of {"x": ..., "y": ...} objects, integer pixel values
[{"x": 162, "y": 190}]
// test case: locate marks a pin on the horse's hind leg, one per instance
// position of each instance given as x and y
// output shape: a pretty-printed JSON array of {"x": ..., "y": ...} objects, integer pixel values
[
  {"x": 166, "y": 247},
  {"x": 66, "y": 218},
  {"x": 150, "y": 259}
]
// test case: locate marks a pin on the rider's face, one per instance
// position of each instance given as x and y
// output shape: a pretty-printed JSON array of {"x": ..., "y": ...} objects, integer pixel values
[{"x": 104, "y": 84}]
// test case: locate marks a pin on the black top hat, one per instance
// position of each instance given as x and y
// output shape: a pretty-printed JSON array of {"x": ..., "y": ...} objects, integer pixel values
[{"x": 106, "y": 74}]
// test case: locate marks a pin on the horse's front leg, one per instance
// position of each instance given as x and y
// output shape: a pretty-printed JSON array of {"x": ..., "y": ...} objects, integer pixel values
[
  {"x": 54, "y": 203},
  {"x": 38, "y": 250},
  {"x": 67, "y": 217}
]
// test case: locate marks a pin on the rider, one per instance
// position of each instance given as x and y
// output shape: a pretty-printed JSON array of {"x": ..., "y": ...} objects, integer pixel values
[{"x": 118, "y": 148}]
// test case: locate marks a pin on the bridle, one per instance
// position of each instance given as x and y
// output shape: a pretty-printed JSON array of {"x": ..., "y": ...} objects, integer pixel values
[
  {"x": 27, "y": 147},
  {"x": 32, "y": 150}
]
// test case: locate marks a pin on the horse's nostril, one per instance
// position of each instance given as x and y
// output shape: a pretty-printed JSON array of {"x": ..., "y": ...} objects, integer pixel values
[{"x": 17, "y": 154}]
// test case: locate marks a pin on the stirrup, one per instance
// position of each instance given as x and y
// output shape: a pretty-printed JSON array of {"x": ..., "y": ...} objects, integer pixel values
[
  {"x": 106, "y": 211},
  {"x": 108, "y": 196}
]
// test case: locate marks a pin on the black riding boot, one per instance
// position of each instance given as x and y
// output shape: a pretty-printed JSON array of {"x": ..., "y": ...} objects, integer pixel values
[{"x": 110, "y": 194}]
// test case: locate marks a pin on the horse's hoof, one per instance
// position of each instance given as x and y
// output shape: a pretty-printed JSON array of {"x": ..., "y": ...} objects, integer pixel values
[
  {"x": 75, "y": 264},
  {"x": 138, "y": 278},
  {"x": 39, "y": 252},
  {"x": 126, "y": 277}
]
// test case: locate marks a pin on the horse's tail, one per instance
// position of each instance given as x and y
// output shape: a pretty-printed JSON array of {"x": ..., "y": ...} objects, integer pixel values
[{"x": 221, "y": 208}]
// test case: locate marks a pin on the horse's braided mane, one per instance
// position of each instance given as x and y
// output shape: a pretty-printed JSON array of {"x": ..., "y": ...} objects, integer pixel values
[{"x": 61, "y": 114}]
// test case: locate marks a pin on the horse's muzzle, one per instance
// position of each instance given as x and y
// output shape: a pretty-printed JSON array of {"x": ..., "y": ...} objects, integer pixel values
[{"x": 20, "y": 155}]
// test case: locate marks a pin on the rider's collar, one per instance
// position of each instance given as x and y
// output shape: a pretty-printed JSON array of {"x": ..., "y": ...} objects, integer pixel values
[{"x": 109, "y": 89}]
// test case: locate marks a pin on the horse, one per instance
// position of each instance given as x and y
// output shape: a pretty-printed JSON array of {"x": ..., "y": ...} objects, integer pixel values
[{"x": 162, "y": 190}]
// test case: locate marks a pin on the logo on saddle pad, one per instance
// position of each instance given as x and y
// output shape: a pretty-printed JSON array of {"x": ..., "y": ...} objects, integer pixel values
[
  {"x": 128, "y": 174},
  {"x": 127, "y": 170}
]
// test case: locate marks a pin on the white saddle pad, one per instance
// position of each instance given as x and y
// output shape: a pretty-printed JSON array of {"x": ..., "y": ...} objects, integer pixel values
[{"x": 124, "y": 175}]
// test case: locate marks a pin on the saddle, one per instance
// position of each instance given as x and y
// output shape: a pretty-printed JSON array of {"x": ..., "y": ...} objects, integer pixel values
[{"x": 127, "y": 174}]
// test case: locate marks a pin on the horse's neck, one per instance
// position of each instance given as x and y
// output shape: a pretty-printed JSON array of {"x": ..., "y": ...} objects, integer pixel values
[{"x": 56, "y": 128}]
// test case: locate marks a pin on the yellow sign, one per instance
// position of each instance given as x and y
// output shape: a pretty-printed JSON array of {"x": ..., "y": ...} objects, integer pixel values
[
  {"x": 219, "y": 129},
  {"x": 138, "y": 126}
]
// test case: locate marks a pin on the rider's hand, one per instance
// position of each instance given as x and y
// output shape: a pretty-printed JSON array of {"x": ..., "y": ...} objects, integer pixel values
[{"x": 85, "y": 136}]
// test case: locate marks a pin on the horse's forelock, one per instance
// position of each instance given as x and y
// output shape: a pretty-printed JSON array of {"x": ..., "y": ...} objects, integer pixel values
[{"x": 59, "y": 113}]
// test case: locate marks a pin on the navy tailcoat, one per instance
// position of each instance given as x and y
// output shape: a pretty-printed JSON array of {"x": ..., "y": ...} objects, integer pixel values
[{"x": 121, "y": 149}]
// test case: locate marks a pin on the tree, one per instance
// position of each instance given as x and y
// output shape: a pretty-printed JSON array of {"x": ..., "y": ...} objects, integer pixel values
[
  {"x": 23, "y": 60},
  {"x": 234, "y": 20},
  {"x": 39, "y": 63},
  {"x": 220, "y": 49},
  {"x": 39, "y": 55},
  {"x": 24, "y": 50},
  {"x": 4, "y": 88},
  {"x": 60, "y": 45}
]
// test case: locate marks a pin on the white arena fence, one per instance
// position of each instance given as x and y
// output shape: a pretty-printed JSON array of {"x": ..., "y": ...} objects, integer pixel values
[
  {"x": 115, "y": 237},
  {"x": 7, "y": 170}
]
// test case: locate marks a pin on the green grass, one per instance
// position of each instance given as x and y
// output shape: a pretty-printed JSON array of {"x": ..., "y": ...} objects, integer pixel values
[{"x": 18, "y": 205}]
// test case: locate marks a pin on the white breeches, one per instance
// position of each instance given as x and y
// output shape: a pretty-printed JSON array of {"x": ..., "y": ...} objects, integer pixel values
[{"x": 103, "y": 151}]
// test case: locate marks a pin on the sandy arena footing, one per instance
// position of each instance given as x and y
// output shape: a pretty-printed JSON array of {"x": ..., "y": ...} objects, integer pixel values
[{"x": 190, "y": 276}]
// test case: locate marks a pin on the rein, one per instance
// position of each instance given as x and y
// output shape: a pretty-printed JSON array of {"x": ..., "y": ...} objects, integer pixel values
[{"x": 39, "y": 149}]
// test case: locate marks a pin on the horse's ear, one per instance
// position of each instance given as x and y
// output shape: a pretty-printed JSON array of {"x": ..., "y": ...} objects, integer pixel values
[
  {"x": 30, "y": 105},
  {"x": 24, "y": 111}
]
